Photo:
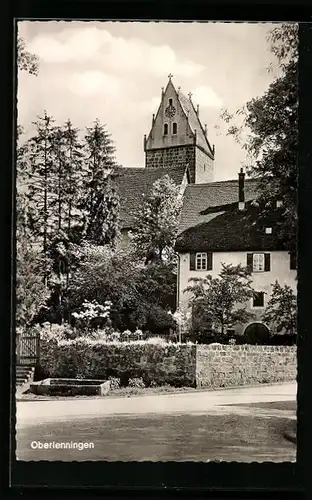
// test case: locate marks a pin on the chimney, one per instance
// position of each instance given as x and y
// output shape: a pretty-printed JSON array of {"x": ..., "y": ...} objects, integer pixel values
[
  {"x": 241, "y": 194},
  {"x": 206, "y": 129},
  {"x": 144, "y": 142},
  {"x": 197, "y": 110}
]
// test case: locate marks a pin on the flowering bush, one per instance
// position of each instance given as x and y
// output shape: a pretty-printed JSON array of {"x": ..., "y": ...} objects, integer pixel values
[
  {"x": 93, "y": 314},
  {"x": 155, "y": 341},
  {"x": 136, "y": 382},
  {"x": 127, "y": 335},
  {"x": 183, "y": 319},
  {"x": 114, "y": 382},
  {"x": 52, "y": 332}
]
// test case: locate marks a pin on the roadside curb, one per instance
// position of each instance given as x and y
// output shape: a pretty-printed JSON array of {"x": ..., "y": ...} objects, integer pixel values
[{"x": 186, "y": 391}]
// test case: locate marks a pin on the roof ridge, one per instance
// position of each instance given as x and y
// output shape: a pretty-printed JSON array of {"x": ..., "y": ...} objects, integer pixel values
[
  {"x": 198, "y": 122},
  {"x": 213, "y": 183}
]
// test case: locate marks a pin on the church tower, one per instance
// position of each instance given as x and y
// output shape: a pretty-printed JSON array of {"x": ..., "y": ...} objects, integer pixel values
[{"x": 177, "y": 137}]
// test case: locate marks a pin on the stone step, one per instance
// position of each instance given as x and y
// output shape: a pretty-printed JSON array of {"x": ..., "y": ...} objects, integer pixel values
[
  {"x": 24, "y": 372},
  {"x": 24, "y": 375}
]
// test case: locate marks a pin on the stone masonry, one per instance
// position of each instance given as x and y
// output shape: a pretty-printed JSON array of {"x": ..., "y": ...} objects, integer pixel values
[
  {"x": 225, "y": 365},
  {"x": 173, "y": 156}
]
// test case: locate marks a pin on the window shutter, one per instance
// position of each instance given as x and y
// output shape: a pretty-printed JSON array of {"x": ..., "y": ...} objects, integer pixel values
[
  {"x": 192, "y": 261},
  {"x": 267, "y": 262},
  {"x": 249, "y": 261},
  {"x": 209, "y": 261},
  {"x": 293, "y": 260}
]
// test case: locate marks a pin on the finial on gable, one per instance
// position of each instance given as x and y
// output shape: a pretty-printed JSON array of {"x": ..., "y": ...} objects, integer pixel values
[
  {"x": 178, "y": 91},
  {"x": 170, "y": 76},
  {"x": 206, "y": 129},
  {"x": 190, "y": 96},
  {"x": 162, "y": 92},
  {"x": 197, "y": 110}
]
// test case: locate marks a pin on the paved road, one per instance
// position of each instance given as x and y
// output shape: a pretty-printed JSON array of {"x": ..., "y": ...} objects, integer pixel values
[
  {"x": 245, "y": 425},
  {"x": 210, "y": 402}
]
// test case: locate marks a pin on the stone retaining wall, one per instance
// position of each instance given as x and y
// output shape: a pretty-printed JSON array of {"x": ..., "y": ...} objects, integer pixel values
[
  {"x": 225, "y": 365},
  {"x": 188, "y": 365}
]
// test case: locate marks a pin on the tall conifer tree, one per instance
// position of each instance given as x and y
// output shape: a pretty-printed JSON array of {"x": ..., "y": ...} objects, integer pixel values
[{"x": 100, "y": 203}]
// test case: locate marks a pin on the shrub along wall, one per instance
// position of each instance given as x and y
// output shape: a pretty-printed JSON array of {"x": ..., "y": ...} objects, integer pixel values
[
  {"x": 189, "y": 365},
  {"x": 173, "y": 364}
]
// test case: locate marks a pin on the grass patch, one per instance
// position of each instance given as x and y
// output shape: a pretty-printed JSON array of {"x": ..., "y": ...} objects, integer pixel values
[{"x": 272, "y": 405}]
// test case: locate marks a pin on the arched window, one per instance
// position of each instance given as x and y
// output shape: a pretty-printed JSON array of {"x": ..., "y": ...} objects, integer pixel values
[
  {"x": 170, "y": 102},
  {"x": 166, "y": 129},
  {"x": 174, "y": 128}
]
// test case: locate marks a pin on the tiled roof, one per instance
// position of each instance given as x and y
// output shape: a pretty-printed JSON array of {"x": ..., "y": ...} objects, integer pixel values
[
  {"x": 200, "y": 197},
  {"x": 133, "y": 182},
  {"x": 211, "y": 221},
  {"x": 194, "y": 122}
]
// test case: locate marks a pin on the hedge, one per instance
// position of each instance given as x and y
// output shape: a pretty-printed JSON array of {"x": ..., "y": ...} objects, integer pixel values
[{"x": 160, "y": 364}]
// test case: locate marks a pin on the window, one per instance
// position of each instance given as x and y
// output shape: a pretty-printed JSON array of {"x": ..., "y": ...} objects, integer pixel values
[
  {"x": 201, "y": 261},
  {"x": 174, "y": 128},
  {"x": 258, "y": 299},
  {"x": 166, "y": 129},
  {"x": 279, "y": 203},
  {"x": 170, "y": 102},
  {"x": 258, "y": 262},
  {"x": 268, "y": 230},
  {"x": 293, "y": 260}
]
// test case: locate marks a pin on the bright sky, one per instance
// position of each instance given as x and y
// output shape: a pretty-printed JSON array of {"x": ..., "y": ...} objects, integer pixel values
[{"x": 114, "y": 71}]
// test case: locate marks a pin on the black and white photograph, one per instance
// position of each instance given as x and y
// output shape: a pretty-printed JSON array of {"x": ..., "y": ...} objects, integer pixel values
[{"x": 156, "y": 241}]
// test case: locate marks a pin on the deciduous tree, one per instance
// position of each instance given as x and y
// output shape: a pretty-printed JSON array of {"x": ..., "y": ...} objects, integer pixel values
[
  {"x": 220, "y": 302},
  {"x": 281, "y": 310},
  {"x": 26, "y": 61},
  {"x": 268, "y": 131},
  {"x": 156, "y": 222},
  {"x": 31, "y": 293}
]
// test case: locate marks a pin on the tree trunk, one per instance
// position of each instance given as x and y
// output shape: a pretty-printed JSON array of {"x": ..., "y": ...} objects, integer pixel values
[
  {"x": 69, "y": 205},
  {"x": 59, "y": 195},
  {"x": 45, "y": 209}
]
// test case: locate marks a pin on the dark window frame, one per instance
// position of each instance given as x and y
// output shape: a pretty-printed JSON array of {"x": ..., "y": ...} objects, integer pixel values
[
  {"x": 267, "y": 262},
  {"x": 203, "y": 258},
  {"x": 193, "y": 261},
  {"x": 258, "y": 297}
]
